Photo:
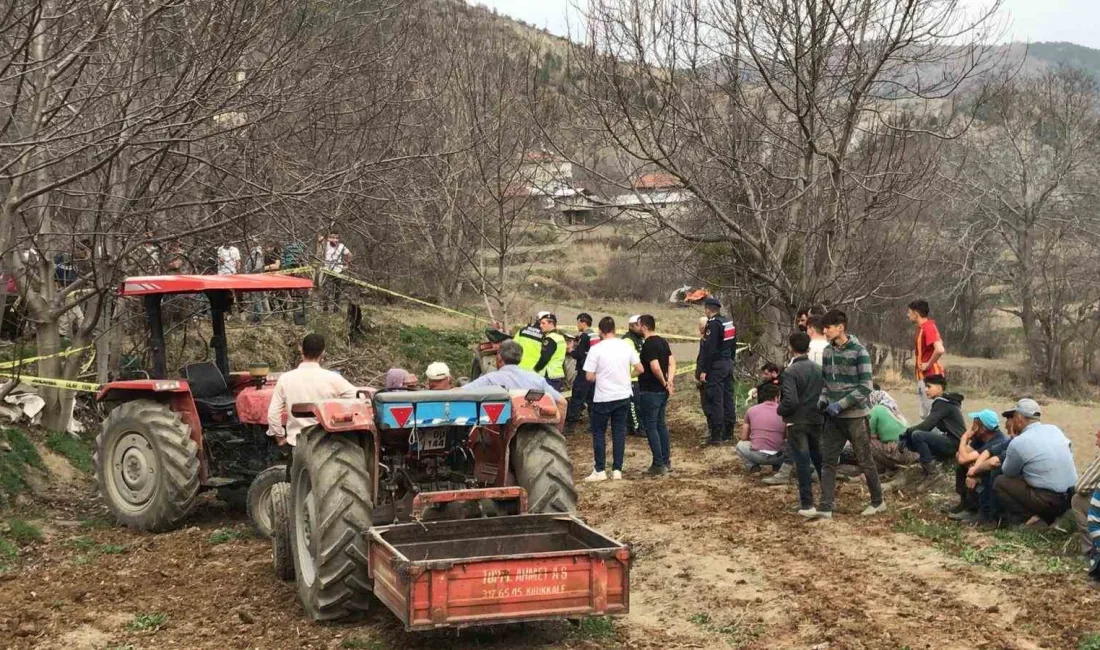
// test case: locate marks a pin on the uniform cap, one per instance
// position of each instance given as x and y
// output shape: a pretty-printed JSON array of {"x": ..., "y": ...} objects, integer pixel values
[
  {"x": 711, "y": 301},
  {"x": 634, "y": 319}
]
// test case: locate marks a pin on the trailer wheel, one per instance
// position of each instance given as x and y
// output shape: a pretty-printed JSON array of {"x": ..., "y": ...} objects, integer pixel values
[
  {"x": 147, "y": 466},
  {"x": 258, "y": 503},
  {"x": 541, "y": 463},
  {"x": 330, "y": 509},
  {"x": 282, "y": 534}
]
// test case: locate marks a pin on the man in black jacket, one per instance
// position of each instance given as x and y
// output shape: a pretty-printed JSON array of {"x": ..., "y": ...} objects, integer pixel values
[
  {"x": 937, "y": 436},
  {"x": 581, "y": 395},
  {"x": 800, "y": 388}
]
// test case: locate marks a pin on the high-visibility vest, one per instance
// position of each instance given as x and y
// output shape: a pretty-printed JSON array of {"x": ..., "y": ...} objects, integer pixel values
[
  {"x": 555, "y": 369},
  {"x": 530, "y": 339},
  {"x": 637, "y": 340}
]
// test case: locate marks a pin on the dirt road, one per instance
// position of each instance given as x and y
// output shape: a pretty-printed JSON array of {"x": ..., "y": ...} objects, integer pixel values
[{"x": 721, "y": 561}]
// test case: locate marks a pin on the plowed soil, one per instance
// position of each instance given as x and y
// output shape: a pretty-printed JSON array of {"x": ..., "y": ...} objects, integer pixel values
[{"x": 721, "y": 561}]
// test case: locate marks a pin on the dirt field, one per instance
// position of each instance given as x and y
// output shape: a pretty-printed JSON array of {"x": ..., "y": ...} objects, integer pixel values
[{"x": 721, "y": 561}]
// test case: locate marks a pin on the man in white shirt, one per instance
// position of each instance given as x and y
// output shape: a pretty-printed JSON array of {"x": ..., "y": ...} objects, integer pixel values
[
  {"x": 336, "y": 257},
  {"x": 816, "y": 329},
  {"x": 609, "y": 366},
  {"x": 229, "y": 260},
  {"x": 308, "y": 383}
]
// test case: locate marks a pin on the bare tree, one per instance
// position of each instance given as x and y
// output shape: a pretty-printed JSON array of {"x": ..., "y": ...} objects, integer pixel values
[
  {"x": 1030, "y": 172},
  {"x": 807, "y": 132}
]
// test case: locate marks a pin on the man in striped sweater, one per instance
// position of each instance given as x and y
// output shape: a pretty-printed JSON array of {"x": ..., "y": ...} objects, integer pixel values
[{"x": 847, "y": 369}]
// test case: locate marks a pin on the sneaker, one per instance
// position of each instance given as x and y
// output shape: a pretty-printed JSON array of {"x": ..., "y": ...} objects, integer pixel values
[
  {"x": 819, "y": 515},
  {"x": 782, "y": 477},
  {"x": 955, "y": 509},
  {"x": 873, "y": 509},
  {"x": 966, "y": 516},
  {"x": 616, "y": 475},
  {"x": 595, "y": 477},
  {"x": 657, "y": 470},
  {"x": 808, "y": 513}
]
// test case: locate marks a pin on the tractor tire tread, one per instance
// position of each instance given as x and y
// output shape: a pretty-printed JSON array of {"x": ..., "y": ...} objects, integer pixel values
[
  {"x": 542, "y": 467},
  {"x": 178, "y": 455}
]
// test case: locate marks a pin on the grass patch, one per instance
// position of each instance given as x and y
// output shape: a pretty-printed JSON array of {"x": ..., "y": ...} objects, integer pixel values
[
  {"x": 223, "y": 535},
  {"x": 363, "y": 644},
  {"x": 74, "y": 449},
  {"x": 112, "y": 549},
  {"x": 145, "y": 622},
  {"x": 8, "y": 551},
  {"x": 931, "y": 530},
  {"x": 597, "y": 627},
  {"x": 422, "y": 346},
  {"x": 1090, "y": 641},
  {"x": 14, "y": 463},
  {"x": 95, "y": 524},
  {"x": 24, "y": 532},
  {"x": 737, "y": 633},
  {"x": 81, "y": 543}
]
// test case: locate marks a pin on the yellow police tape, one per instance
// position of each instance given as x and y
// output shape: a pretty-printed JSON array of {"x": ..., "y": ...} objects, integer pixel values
[
  {"x": 64, "y": 353},
  {"x": 366, "y": 285},
  {"x": 81, "y": 386}
]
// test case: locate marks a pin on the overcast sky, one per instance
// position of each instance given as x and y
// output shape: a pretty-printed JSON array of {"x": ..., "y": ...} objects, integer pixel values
[{"x": 1075, "y": 21}]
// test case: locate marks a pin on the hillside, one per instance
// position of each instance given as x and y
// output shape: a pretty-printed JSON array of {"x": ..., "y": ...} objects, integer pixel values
[{"x": 1041, "y": 56}]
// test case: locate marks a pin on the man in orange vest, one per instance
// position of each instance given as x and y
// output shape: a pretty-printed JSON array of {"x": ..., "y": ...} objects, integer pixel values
[{"x": 929, "y": 351}]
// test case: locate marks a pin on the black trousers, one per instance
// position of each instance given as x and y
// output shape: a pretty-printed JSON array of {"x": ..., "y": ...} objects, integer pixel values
[
  {"x": 580, "y": 399},
  {"x": 1020, "y": 501},
  {"x": 718, "y": 392}
]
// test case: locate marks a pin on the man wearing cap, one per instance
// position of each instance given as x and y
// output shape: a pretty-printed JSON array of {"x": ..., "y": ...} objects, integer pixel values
[
  {"x": 716, "y": 361},
  {"x": 635, "y": 337},
  {"x": 530, "y": 341},
  {"x": 1038, "y": 474},
  {"x": 984, "y": 435},
  {"x": 551, "y": 362},
  {"x": 438, "y": 376}
]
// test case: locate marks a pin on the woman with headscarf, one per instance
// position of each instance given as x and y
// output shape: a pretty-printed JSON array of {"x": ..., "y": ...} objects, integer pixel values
[{"x": 886, "y": 425}]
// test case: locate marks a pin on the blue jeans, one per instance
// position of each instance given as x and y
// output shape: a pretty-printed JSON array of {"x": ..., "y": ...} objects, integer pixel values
[
  {"x": 617, "y": 413},
  {"x": 653, "y": 406},
  {"x": 805, "y": 443}
]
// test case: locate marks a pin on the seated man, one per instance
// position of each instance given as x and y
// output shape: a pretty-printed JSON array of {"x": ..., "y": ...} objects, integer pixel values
[
  {"x": 510, "y": 376},
  {"x": 1083, "y": 500},
  {"x": 1038, "y": 474},
  {"x": 308, "y": 383},
  {"x": 937, "y": 436},
  {"x": 438, "y": 376},
  {"x": 886, "y": 430},
  {"x": 984, "y": 435},
  {"x": 763, "y": 431}
]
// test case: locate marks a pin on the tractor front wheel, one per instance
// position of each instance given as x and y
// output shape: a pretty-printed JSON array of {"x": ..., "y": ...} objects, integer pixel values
[
  {"x": 330, "y": 490},
  {"x": 259, "y": 498},
  {"x": 282, "y": 532},
  {"x": 542, "y": 467},
  {"x": 147, "y": 466}
]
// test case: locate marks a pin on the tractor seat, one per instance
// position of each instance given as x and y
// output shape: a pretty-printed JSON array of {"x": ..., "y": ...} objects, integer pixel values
[
  {"x": 212, "y": 397},
  {"x": 420, "y": 396}
]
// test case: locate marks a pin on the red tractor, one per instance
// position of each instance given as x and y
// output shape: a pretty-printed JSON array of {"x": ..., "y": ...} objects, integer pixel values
[
  {"x": 423, "y": 456},
  {"x": 166, "y": 438}
]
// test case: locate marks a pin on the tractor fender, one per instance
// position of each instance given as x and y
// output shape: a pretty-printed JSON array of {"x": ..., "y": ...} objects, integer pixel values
[
  {"x": 174, "y": 392},
  {"x": 544, "y": 411},
  {"x": 338, "y": 415}
]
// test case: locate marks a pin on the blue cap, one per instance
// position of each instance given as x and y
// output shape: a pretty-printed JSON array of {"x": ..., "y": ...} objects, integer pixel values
[{"x": 987, "y": 417}]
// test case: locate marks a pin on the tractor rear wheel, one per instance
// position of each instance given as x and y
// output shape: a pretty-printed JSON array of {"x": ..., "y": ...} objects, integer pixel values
[
  {"x": 542, "y": 467},
  {"x": 258, "y": 503},
  {"x": 331, "y": 508},
  {"x": 147, "y": 466},
  {"x": 282, "y": 533}
]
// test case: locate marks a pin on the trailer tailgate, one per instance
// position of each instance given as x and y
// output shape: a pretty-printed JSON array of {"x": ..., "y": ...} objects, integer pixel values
[{"x": 497, "y": 570}]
